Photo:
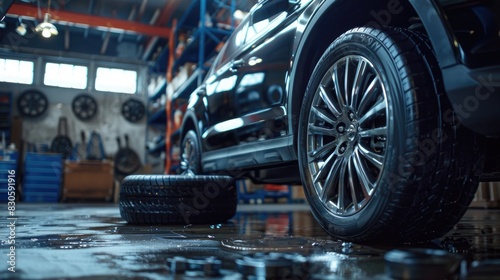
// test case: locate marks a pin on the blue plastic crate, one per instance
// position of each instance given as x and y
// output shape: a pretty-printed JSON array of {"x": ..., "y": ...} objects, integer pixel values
[
  {"x": 6, "y": 165},
  {"x": 44, "y": 172},
  {"x": 41, "y": 187},
  {"x": 43, "y": 157},
  {"x": 40, "y": 197},
  {"x": 9, "y": 156},
  {"x": 51, "y": 161},
  {"x": 4, "y": 195},
  {"x": 42, "y": 177},
  {"x": 28, "y": 165},
  {"x": 42, "y": 180}
]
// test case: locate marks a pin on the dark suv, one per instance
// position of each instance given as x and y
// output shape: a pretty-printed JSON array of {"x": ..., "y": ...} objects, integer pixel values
[{"x": 383, "y": 110}]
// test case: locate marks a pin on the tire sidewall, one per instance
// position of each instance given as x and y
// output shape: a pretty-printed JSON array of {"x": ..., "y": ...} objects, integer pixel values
[{"x": 370, "y": 47}]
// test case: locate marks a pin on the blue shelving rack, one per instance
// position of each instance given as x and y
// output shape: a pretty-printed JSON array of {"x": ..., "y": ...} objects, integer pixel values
[{"x": 205, "y": 38}]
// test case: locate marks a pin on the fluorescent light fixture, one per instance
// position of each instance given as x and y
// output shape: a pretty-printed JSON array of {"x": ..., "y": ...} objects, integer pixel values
[{"x": 46, "y": 28}]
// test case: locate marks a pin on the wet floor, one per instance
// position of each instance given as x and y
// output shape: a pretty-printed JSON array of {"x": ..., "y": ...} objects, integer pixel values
[{"x": 88, "y": 241}]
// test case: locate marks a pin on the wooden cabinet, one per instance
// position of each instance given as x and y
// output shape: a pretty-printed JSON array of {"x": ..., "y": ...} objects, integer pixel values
[{"x": 88, "y": 180}]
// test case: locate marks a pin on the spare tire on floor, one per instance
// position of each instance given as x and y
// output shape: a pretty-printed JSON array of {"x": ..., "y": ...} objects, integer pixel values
[{"x": 184, "y": 199}]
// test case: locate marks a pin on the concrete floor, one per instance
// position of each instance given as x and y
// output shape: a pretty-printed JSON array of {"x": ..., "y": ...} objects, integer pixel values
[{"x": 91, "y": 241}]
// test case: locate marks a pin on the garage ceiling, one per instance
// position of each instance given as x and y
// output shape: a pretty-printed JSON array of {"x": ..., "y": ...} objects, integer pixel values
[{"x": 121, "y": 30}]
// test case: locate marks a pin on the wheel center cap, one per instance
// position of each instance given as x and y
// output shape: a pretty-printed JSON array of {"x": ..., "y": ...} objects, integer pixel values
[{"x": 352, "y": 131}]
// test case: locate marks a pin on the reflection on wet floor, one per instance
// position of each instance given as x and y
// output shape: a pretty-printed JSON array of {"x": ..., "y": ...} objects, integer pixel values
[{"x": 276, "y": 241}]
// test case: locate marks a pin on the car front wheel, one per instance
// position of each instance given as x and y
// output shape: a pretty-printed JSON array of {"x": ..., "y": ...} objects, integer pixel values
[
  {"x": 190, "y": 154},
  {"x": 383, "y": 157}
]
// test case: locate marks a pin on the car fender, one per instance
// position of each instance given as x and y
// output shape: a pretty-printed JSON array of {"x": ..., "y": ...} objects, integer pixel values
[
  {"x": 431, "y": 14},
  {"x": 194, "y": 117},
  {"x": 439, "y": 31}
]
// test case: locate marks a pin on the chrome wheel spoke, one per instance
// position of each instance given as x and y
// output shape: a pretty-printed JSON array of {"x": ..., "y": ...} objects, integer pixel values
[
  {"x": 358, "y": 78},
  {"x": 361, "y": 172},
  {"x": 329, "y": 186},
  {"x": 324, "y": 170},
  {"x": 368, "y": 95},
  {"x": 323, "y": 114},
  {"x": 338, "y": 91},
  {"x": 342, "y": 186},
  {"x": 313, "y": 129},
  {"x": 372, "y": 157},
  {"x": 327, "y": 97},
  {"x": 347, "y": 90},
  {"x": 352, "y": 184},
  {"x": 321, "y": 151},
  {"x": 374, "y": 111},
  {"x": 379, "y": 131}
]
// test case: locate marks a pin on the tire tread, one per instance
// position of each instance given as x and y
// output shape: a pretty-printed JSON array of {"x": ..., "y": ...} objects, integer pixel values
[{"x": 160, "y": 199}]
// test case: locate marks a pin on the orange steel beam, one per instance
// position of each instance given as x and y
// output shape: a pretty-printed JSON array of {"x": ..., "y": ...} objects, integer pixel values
[
  {"x": 165, "y": 15},
  {"x": 92, "y": 20}
]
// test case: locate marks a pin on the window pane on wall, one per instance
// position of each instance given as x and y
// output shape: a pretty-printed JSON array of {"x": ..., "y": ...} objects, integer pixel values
[
  {"x": 65, "y": 75},
  {"x": 16, "y": 71},
  {"x": 116, "y": 80}
]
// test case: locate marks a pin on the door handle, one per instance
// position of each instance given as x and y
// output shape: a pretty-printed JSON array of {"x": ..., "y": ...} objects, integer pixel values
[{"x": 236, "y": 64}]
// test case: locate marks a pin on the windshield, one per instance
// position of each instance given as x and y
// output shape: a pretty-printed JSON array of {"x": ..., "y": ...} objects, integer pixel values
[{"x": 4, "y": 6}]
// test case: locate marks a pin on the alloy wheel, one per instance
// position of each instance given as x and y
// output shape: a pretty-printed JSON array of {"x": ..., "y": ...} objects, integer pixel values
[
  {"x": 188, "y": 157},
  {"x": 347, "y": 135}
]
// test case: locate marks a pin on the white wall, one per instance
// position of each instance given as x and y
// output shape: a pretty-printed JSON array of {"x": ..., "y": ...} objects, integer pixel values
[{"x": 109, "y": 121}]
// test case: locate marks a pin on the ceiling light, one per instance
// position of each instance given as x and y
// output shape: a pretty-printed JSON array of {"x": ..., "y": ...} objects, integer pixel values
[
  {"x": 21, "y": 29},
  {"x": 46, "y": 28},
  {"x": 239, "y": 15}
]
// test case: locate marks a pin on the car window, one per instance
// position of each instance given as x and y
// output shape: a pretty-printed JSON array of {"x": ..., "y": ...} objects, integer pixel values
[
  {"x": 248, "y": 30},
  {"x": 262, "y": 25},
  {"x": 233, "y": 43}
]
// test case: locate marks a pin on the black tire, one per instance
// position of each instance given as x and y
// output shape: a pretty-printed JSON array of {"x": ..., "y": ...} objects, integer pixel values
[
  {"x": 133, "y": 110},
  {"x": 84, "y": 107},
  {"x": 190, "y": 154},
  {"x": 390, "y": 163},
  {"x": 32, "y": 104},
  {"x": 164, "y": 199}
]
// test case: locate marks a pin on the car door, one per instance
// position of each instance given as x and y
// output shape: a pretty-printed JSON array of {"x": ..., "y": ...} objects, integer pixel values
[{"x": 246, "y": 94}]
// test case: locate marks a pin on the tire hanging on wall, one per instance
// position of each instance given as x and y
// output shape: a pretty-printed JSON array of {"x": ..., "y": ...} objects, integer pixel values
[
  {"x": 84, "y": 107},
  {"x": 32, "y": 104},
  {"x": 127, "y": 161},
  {"x": 133, "y": 110},
  {"x": 62, "y": 143},
  {"x": 164, "y": 199}
]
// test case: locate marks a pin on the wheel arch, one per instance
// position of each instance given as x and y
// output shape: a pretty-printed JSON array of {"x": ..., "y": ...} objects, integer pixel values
[
  {"x": 189, "y": 123},
  {"x": 315, "y": 38}
]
